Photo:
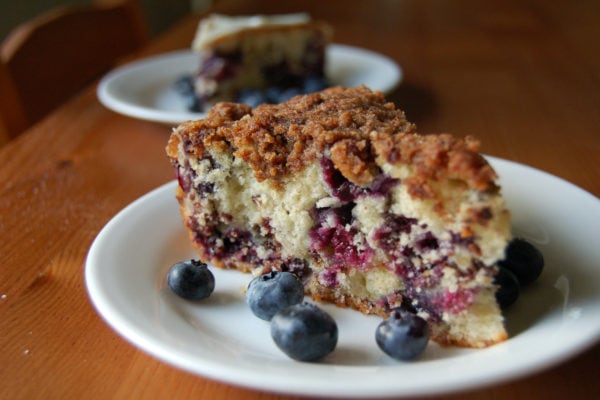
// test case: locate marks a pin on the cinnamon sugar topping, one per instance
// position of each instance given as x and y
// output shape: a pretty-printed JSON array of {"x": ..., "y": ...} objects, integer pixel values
[{"x": 352, "y": 125}]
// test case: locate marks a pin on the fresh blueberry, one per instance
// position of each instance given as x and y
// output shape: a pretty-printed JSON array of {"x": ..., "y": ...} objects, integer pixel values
[
  {"x": 524, "y": 260},
  {"x": 402, "y": 335},
  {"x": 272, "y": 292},
  {"x": 314, "y": 84},
  {"x": 184, "y": 85},
  {"x": 287, "y": 94},
  {"x": 508, "y": 288},
  {"x": 273, "y": 94},
  {"x": 252, "y": 97},
  {"x": 191, "y": 280},
  {"x": 304, "y": 332}
]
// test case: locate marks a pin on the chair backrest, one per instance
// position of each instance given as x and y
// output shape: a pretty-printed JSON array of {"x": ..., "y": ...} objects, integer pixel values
[
  {"x": 52, "y": 57},
  {"x": 12, "y": 117}
]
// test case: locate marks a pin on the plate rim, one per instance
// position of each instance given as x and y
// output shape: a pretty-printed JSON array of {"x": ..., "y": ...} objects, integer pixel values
[
  {"x": 140, "y": 339},
  {"x": 127, "y": 108}
]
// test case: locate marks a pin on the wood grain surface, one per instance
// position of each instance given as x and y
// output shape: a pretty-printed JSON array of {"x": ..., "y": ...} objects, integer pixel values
[{"x": 522, "y": 76}]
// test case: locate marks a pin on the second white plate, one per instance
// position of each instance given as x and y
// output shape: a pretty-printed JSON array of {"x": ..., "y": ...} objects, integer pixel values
[{"x": 144, "y": 89}]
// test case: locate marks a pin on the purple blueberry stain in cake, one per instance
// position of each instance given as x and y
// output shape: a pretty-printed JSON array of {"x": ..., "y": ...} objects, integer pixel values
[
  {"x": 231, "y": 243},
  {"x": 382, "y": 184},
  {"x": 350, "y": 248},
  {"x": 336, "y": 239},
  {"x": 205, "y": 188},
  {"x": 485, "y": 214},
  {"x": 458, "y": 240},
  {"x": 328, "y": 277},
  {"x": 297, "y": 266},
  {"x": 346, "y": 191},
  {"x": 454, "y": 302},
  {"x": 214, "y": 68},
  {"x": 221, "y": 240},
  {"x": 426, "y": 242},
  {"x": 220, "y": 66},
  {"x": 417, "y": 300},
  {"x": 340, "y": 187},
  {"x": 388, "y": 235},
  {"x": 334, "y": 236},
  {"x": 424, "y": 294},
  {"x": 187, "y": 177},
  {"x": 394, "y": 300},
  {"x": 342, "y": 215},
  {"x": 419, "y": 258},
  {"x": 184, "y": 179},
  {"x": 239, "y": 242}
]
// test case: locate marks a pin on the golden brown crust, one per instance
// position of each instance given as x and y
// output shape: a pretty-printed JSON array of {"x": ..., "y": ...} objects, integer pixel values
[
  {"x": 352, "y": 160},
  {"x": 325, "y": 295},
  {"x": 446, "y": 341},
  {"x": 207, "y": 132},
  {"x": 436, "y": 157},
  {"x": 277, "y": 140},
  {"x": 355, "y": 125}
]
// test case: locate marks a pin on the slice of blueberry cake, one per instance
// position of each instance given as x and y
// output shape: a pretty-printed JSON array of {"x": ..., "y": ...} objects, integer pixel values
[
  {"x": 338, "y": 188},
  {"x": 256, "y": 59}
]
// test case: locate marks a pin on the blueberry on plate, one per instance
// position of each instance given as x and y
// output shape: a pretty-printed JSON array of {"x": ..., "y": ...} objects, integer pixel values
[
  {"x": 403, "y": 335},
  {"x": 273, "y": 291},
  {"x": 287, "y": 94},
  {"x": 524, "y": 260},
  {"x": 304, "y": 332},
  {"x": 252, "y": 97},
  {"x": 273, "y": 94},
  {"x": 508, "y": 288},
  {"x": 184, "y": 86},
  {"x": 191, "y": 280},
  {"x": 314, "y": 84}
]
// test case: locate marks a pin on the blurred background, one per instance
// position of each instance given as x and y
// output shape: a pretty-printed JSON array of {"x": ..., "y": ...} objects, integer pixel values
[{"x": 160, "y": 14}]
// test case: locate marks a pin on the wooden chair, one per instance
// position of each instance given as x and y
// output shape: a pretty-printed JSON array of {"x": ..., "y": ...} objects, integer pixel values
[{"x": 50, "y": 58}]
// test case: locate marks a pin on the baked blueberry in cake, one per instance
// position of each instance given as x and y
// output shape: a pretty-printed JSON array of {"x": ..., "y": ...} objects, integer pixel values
[
  {"x": 260, "y": 58},
  {"x": 338, "y": 188}
]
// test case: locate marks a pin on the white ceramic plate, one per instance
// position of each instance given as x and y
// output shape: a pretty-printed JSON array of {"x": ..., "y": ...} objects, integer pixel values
[
  {"x": 219, "y": 338},
  {"x": 144, "y": 89}
]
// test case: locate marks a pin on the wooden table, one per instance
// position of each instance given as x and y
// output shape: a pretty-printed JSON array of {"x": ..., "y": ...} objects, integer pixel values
[{"x": 523, "y": 76}]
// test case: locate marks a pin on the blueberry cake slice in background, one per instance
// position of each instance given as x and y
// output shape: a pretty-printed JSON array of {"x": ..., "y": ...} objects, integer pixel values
[
  {"x": 258, "y": 58},
  {"x": 338, "y": 188}
]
